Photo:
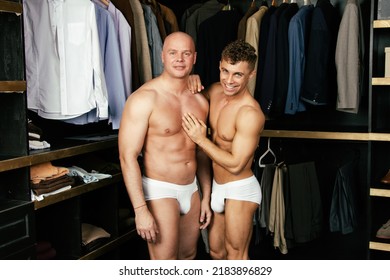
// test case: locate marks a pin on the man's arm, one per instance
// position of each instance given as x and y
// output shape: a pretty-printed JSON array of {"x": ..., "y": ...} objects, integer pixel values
[
  {"x": 204, "y": 176},
  {"x": 249, "y": 124},
  {"x": 132, "y": 132}
]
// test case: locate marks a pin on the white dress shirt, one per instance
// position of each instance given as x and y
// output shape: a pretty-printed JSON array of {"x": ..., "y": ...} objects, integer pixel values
[{"x": 64, "y": 71}]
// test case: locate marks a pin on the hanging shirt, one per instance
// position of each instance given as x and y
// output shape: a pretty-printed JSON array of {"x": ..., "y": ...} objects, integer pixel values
[
  {"x": 110, "y": 51},
  {"x": 64, "y": 71},
  {"x": 125, "y": 8},
  {"x": 123, "y": 30}
]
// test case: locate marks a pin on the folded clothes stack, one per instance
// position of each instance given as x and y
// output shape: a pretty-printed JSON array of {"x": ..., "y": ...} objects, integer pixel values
[
  {"x": 46, "y": 178},
  {"x": 35, "y": 138},
  {"x": 93, "y": 236}
]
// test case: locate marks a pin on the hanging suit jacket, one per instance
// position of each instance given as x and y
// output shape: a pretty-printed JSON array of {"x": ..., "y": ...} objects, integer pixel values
[
  {"x": 263, "y": 39},
  {"x": 349, "y": 58},
  {"x": 205, "y": 11},
  {"x": 268, "y": 84},
  {"x": 320, "y": 85},
  {"x": 298, "y": 32},
  {"x": 143, "y": 59},
  {"x": 214, "y": 34},
  {"x": 170, "y": 20},
  {"x": 154, "y": 40},
  {"x": 252, "y": 36},
  {"x": 343, "y": 216},
  {"x": 242, "y": 24},
  {"x": 282, "y": 60}
]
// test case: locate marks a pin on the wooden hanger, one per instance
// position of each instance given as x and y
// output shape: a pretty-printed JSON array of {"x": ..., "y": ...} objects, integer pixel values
[
  {"x": 274, "y": 3},
  {"x": 105, "y": 2},
  {"x": 268, "y": 151},
  {"x": 227, "y": 7},
  {"x": 253, "y": 3}
]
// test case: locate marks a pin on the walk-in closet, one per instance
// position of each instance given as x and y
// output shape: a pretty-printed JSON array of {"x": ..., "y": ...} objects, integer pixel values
[{"x": 322, "y": 80}]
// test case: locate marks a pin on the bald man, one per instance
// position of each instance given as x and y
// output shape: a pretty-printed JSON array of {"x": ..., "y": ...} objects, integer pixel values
[{"x": 169, "y": 211}]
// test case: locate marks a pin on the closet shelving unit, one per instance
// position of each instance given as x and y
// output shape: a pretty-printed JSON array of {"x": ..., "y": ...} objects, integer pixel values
[
  {"x": 373, "y": 135},
  {"x": 17, "y": 231},
  {"x": 380, "y": 164},
  {"x": 58, "y": 217}
]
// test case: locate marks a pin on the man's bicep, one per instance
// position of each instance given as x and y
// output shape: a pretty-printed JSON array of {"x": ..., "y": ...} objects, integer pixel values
[
  {"x": 247, "y": 136},
  {"x": 244, "y": 146},
  {"x": 133, "y": 128}
]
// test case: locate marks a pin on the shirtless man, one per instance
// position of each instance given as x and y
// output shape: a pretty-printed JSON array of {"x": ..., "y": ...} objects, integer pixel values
[
  {"x": 236, "y": 122},
  {"x": 168, "y": 210}
]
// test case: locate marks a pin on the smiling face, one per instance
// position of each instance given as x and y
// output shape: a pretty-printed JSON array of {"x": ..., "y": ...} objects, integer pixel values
[
  {"x": 234, "y": 77},
  {"x": 237, "y": 66},
  {"x": 178, "y": 55}
]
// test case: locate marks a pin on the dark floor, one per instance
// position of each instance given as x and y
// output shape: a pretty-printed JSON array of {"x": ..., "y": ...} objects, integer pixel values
[{"x": 333, "y": 246}]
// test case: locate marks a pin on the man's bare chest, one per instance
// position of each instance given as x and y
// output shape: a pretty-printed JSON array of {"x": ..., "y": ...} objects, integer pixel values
[
  {"x": 166, "y": 117},
  {"x": 223, "y": 122}
]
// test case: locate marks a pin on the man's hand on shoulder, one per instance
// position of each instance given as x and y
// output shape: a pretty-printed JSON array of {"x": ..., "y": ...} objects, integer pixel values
[{"x": 195, "y": 84}]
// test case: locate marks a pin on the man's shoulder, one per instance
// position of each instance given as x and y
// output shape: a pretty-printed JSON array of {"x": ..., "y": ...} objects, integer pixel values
[
  {"x": 215, "y": 89},
  {"x": 251, "y": 110},
  {"x": 202, "y": 102},
  {"x": 147, "y": 90},
  {"x": 144, "y": 97}
]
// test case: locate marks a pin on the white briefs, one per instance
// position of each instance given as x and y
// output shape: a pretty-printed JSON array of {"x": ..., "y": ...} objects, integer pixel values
[
  {"x": 247, "y": 189},
  {"x": 155, "y": 189}
]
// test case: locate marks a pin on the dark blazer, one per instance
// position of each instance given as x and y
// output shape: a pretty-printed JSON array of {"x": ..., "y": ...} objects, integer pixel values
[
  {"x": 320, "y": 81},
  {"x": 262, "y": 47},
  {"x": 214, "y": 34},
  {"x": 282, "y": 60},
  {"x": 268, "y": 84}
]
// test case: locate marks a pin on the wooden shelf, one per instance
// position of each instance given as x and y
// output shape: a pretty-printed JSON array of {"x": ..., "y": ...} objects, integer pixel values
[
  {"x": 385, "y": 81},
  {"x": 13, "y": 86},
  {"x": 53, "y": 154},
  {"x": 106, "y": 248},
  {"x": 359, "y": 136},
  {"x": 379, "y": 192},
  {"x": 381, "y": 23},
  {"x": 77, "y": 191},
  {"x": 11, "y": 7},
  {"x": 380, "y": 246}
]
